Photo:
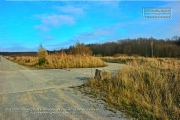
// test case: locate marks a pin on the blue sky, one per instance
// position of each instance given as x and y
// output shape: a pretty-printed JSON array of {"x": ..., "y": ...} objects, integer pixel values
[{"x": 58, "y": 24}]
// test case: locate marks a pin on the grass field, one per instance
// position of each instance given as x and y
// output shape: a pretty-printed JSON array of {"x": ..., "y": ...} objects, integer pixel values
[
  {"x": 148, "y": 88},
  {"x": 59, "y": 60}
]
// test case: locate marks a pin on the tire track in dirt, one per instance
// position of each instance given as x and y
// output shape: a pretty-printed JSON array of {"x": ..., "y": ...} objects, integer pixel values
[{"x": 75, "y": 105}]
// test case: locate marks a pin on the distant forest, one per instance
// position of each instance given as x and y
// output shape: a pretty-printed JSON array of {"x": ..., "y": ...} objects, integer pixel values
[
  {"x": 140, "y": 46},
  {"x": 146, "y": 47}
]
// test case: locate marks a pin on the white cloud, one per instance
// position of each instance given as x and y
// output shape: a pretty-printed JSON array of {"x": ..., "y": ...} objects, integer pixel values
[
  {"x": 50, "y": 21},
  {"x": 55, "y": 20},
  {"x": 41, "y": 27},
  {"x": 63, "y": 15}
]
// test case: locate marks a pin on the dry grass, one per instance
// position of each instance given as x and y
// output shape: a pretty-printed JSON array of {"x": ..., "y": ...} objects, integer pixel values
[
  {"x": 147, "y": 89},
  {"x": 56, "y": 61}
]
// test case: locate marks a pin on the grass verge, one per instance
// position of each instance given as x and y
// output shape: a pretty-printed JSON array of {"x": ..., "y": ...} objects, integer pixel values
[
  {"x": 57, "y": 61},
  {"x": 147, "y": 89}
]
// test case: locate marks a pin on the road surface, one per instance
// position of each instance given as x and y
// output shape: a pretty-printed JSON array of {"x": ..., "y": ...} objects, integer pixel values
[{"x": 47, "y": 94}]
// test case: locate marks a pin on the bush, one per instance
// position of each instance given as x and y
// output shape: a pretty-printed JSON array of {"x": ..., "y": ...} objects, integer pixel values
[
  {"x": 41, "y": 60},
  {"x": 42, "y": 52},
  {"x": 42, "y": 55},
  {"x": 80, "y": 49}
]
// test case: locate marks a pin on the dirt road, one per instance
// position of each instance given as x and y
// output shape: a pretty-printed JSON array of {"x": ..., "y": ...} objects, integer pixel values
[{"x": 46, "y": 94}]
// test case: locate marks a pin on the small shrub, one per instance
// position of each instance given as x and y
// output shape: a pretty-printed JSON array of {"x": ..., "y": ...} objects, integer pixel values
[
  {"x": 41, "y": 60},
  {"x": 42, "y": 52}
]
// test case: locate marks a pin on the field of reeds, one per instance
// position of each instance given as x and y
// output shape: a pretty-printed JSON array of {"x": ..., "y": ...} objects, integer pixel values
[
  {"x": 58, "y": 61},
  {"x": 148, "y": 88}
]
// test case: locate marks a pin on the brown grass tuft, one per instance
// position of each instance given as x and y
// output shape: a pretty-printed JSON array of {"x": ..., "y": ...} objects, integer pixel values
[
  {"x": 56, "y": 61},
  {"x": 147, "y": 89}
]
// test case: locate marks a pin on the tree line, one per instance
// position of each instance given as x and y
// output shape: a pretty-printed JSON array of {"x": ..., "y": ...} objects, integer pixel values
[{"x": 147, "y": 47}]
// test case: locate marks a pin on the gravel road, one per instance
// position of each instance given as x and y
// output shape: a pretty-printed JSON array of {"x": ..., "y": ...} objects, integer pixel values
[{"x": 47, "y": 94}]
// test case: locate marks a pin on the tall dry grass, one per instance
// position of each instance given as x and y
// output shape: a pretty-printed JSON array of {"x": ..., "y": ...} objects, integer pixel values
[
  {"x": 59, "y": 60},
  {"x": 147, "y": 88}
]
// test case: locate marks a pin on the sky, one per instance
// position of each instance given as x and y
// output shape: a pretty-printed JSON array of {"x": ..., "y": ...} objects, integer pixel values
[{"x": 24, "y": 25}]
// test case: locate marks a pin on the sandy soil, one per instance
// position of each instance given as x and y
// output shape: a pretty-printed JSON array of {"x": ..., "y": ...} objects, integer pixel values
[{"x": 47, "y": 94}]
